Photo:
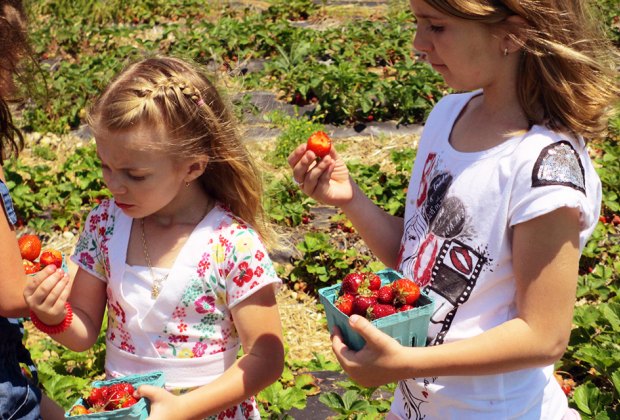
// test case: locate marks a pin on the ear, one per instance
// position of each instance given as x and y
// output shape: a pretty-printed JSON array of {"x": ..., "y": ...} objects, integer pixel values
[
  {"x": 514, "y": 30},
  {"x": 196, "y": 169}
]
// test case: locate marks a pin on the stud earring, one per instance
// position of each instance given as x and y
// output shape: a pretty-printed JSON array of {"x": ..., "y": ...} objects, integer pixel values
[
  {"x": 186, "y": 184},
  {"x": 505, "y": 52}
]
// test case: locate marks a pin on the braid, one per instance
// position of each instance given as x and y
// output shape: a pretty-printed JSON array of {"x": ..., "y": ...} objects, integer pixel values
[{"x": 178, "y": 97}]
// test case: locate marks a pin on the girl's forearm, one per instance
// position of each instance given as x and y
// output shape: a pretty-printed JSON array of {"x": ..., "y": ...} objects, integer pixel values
[
  {"x": 511, "y": 346},
  {"x": 246, "y": 377},
  {"x": 81, "y": 334},
  {"x": 381, "y": 231}
]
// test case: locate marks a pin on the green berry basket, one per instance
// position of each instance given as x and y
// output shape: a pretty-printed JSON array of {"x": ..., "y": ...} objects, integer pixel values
[
  {"x": 139, "y": 410},
  {"x": 409, "y": 328}
]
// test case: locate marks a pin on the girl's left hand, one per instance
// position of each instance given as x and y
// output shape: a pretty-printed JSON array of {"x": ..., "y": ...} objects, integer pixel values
[
  {"x": 163, "y": 403},
  {"x": 379, "y": 362}
]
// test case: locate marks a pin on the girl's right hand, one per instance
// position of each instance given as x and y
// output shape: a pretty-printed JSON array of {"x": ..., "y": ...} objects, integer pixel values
[
  {"x": 326, "y": 180},
  {"x": 46, "y": 294}
]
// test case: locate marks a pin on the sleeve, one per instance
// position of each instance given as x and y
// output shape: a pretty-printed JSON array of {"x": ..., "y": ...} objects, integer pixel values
[
  {"x": 249, "y": 267},
  {"x": 556, "y": 175},
  {"x": 7, "y": 204},
  {"x": 89, "y": 251}
]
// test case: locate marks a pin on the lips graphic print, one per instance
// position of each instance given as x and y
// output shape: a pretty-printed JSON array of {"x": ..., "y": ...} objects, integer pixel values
[{"x": 461, "y": 260}]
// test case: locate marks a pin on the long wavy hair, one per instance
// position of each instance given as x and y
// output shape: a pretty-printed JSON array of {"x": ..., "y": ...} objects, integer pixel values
[
  {"x": 13, "y": 47},
  {"x": 178, "y": 96},
  {"x": 567, "y": 76}
]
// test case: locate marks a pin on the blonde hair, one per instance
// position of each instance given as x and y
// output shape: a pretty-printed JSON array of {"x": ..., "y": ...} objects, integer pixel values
[
  {"x": 14, "y": 45},
  {"x": 567, "y": 76},
  {"x": 177, "y": 96}
]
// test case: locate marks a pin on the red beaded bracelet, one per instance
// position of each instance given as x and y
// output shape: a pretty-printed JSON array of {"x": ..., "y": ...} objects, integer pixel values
[{"x": 53, "y": 329}]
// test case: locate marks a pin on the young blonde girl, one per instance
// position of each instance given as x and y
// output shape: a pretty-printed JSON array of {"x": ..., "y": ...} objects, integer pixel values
[
  {"x": 177, "y": 254},
  {"x": 502, "y": 199}
]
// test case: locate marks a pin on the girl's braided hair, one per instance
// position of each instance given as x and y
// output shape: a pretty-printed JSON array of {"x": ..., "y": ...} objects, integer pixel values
[{"x": 177, "y": 95}]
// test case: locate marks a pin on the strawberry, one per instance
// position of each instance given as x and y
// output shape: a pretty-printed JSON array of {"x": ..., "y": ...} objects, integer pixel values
[
  {"x": 29, "y": 247},
  {"x": 31, "y": 267},
  {"x": 404, "y": 308},
  {"x": 78, "y": 410},
  {"x": 386, "y": 294},
  {"x": 129, "y": 401},
  {"x": 51, "y": 256},
  {"x": 351, "y": 283},
  {"x": 344, "y": 304},
  {"x": 406, "y": 292},
  {"x": 379, "y": 310},
  {"x": 97, "y": 397},
  {"x": 373, "y": 280},
  {"x": 362, "y": 303},
  {"x": 320, "y": 143}
]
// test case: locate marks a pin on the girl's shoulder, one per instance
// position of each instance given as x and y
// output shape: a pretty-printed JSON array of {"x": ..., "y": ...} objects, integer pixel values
[{"x": 543, "y": 141}]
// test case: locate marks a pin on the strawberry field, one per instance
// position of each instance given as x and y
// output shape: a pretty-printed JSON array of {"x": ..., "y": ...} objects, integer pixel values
[{"x": 345, "y": 67}]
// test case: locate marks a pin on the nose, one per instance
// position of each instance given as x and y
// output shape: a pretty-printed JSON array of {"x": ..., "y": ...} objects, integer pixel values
[
  {"x": 421, "y": 44},
  {"x": 113, "y": 182}
]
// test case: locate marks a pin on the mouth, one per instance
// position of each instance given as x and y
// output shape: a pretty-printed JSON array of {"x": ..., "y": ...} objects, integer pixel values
[{"x": 123, "y": 205}]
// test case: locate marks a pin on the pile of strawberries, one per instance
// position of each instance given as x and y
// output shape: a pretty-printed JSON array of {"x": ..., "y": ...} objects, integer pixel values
[
  {"x": 363, "y": 294},
  {"x": 30, "y": 249},
  {"x": 106, "y": 398}
]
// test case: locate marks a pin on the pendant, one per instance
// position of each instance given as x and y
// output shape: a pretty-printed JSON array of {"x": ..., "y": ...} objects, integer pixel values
[{"x": 155, "y": 290}]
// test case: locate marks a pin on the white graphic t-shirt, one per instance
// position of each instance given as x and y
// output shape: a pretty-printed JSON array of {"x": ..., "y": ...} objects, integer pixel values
[{"x": 460, "y": 211}]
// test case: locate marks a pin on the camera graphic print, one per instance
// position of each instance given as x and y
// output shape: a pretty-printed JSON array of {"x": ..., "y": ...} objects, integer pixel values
[{"x": 436, "y": 250}]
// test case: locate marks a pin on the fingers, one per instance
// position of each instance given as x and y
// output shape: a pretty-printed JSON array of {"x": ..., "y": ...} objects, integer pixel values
[
  {"x": 373, "y": 336},
  {"x": 48, "y": 292}
]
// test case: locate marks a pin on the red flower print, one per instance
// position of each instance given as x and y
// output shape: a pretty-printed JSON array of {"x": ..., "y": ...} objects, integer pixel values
[
  {"x": 245, "y": 276},
  {"x": 182, "y": 327},
  {"x": 104, "y": 216},
  {"x": 102, "y": 230},
  {"x": 178, "y": 338},
  {"x": 259, "y": 255},
  {"x": 86, "y": 259},
  {"x": 179, "y": 313},
  {"x": 259, "y": 271},
  {"x": 205, "y": 304},
  {"x": 203, "y": 265},
  {"x": 199, "y": 349}
]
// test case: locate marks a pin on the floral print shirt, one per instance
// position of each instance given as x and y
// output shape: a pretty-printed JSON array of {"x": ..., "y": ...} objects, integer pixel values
[{"x": 222, "y": 263}]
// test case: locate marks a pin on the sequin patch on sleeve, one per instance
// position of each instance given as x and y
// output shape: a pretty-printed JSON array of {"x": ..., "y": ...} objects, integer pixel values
[{"x": 559, "y": 164}]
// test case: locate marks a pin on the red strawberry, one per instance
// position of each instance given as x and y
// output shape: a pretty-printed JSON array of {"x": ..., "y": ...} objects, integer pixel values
[
  {"x": 97, "y": 397},
  {"x": 351, "y": 283},
  {"x": 344, "y": 304},
  {"x": 362, "y": 303},
  {"x": 406, "y": 292},
  {"x": 386, "y": 294},
  {"x": 29, "y": 247},
  {"x": 374, "y": 281},
  {"x": 31, "y": 267},
  {"x": 51, "y": 256},
  {"x": 129, "y": 401},
  {"x": 404, "y": 308},
  {"x": 320, "y": 143},
  {"x": 379, "y": 310}
]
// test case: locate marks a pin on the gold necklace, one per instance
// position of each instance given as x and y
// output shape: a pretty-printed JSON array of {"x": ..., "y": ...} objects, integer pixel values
[{"x": 157, "y": 282}]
